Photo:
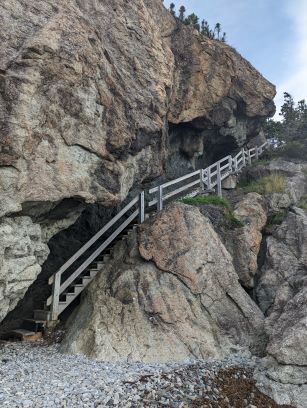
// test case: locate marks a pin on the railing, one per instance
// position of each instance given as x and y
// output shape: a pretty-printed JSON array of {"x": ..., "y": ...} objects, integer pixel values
[{"x": 206, "y": 180}]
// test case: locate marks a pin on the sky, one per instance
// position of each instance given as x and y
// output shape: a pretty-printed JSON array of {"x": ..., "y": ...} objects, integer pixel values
[{"x": 271, "y": 34}]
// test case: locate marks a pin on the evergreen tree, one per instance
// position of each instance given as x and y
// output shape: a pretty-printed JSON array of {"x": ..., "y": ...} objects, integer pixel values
[
  {"x": 172, "y": 9},
  {"x": 192, "y": 20},
  {"x": 217, "y": 30},
  {"x": 182, "y": 11},
  {"x": 223, "y": 39}
]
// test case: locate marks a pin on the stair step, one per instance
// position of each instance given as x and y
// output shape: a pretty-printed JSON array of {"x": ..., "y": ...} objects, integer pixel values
[
  {"x": 34, "y": 325},
  {"x": 72, "y": 296},
  {"x": 22, "y": 335}
]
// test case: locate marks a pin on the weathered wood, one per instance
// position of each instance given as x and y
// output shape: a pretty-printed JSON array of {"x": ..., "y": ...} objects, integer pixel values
[
  {"x": 180, "y": 190},
  {"x": 98, "y": 251},
  {"x": 219, "y": 181},
  {"x": 176, "y": 181},
  {"x": 95, "y": 238},
  {"x": 160, "y": 198},
  {"x": 243, "y": 157},
  {"x": 142, "y": 207},
  {"x": 201, "y": 180},
  {"x": 55, "y": 297}
]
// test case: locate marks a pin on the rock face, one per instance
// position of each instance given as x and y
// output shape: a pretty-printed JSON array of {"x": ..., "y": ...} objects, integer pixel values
[
  {"x": 98, "y": 98},
  {"x": 22, "y": 252},
  {"x": 169, "y": 299},
  {"x": 282, "y": 295},
  {"x": 87, "y": 90},
  {"x": 252, "y": 212}
]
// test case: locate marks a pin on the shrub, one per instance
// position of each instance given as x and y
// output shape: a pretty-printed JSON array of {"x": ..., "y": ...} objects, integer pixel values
[
  {"x": 293, "y": 150},
  {"x": 303, "y": 203},
  {"x": 273, "y": 183}
]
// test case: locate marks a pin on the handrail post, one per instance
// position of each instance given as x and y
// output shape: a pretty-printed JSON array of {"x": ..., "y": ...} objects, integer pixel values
[
  {"x": 201, "y": 180},
  {"x": 209, "y": 185},
  {"x": 235, "y": 164},
  {"x": 249, "y": 157},
  {"x": 230, "y": 161},
  {"x": 55, "y": 296},
  {"x": 142, "y": 207},
  {"x": 257, "y": 153},
  {"x": 160, "y": 198},
  {"x": 243, "y": 157},
  {"x": 219, "y": 180}
]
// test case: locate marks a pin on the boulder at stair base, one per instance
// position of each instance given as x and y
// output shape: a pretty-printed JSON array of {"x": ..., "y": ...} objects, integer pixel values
[{"x": 169, "y": 294}]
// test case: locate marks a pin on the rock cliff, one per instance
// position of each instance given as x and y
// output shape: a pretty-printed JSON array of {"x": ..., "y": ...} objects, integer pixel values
[{"x": 99, "y": 98}]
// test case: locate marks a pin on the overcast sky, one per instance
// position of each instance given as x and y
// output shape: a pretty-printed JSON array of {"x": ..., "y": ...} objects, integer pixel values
[{"x": 271, "y": 34}]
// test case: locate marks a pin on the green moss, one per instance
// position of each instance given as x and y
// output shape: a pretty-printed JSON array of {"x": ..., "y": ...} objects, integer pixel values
[
  {"x": 273, "y": 183},
  {"x": 215, "y": 200}
]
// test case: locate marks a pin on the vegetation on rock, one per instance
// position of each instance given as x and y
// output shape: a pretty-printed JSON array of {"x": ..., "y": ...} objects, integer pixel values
[
  {"x": 194, "y": 21},
  {"x": 215, "y": 200},
  {"x": 303, "y": 203},
  {"x": 291, "y": 132},
  {"x": 273, "y": 183}
]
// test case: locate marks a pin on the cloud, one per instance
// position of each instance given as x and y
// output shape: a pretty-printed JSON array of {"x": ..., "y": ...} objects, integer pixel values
[{"x": 296, "y": 83}]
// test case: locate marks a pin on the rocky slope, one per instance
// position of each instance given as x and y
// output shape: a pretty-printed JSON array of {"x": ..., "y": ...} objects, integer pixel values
[
  {"x": 185, "y": 287},
  {"x": 97, "y": 99}
]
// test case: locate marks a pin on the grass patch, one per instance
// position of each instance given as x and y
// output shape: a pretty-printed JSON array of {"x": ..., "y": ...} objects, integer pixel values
[
  {"x": 273, "y": 183},
  {"x": 303, "y": 203},
  {"x": 215, "y": 200},
  {"x": 209, "y": 199},
  {"x": 276, "y": 219},
  {"x": 305, "y": 170},
  {"x": 236, "y": 223}
]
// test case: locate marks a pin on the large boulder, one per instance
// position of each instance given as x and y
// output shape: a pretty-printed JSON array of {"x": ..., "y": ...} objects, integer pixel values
[
  {"x": 246, "y": 241},
  {"x": 170, "y": 294}
]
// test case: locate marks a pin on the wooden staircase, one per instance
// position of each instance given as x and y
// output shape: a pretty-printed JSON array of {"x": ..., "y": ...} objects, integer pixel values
[
  {"x": 32, "y": 330},
  {"x": 70, "y": 281}
]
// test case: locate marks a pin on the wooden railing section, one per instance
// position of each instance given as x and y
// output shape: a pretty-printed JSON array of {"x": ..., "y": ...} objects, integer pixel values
[{"x": 205, "y": 180}]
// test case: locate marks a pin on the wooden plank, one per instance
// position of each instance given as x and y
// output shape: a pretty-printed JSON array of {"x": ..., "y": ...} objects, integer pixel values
[
  {"x": 170, "y": 183},
  {"x": 95, "y": 254},
  {"x": 160, "y": 199},
  {"x": 201, "y": 180},
  {"x": 219, "y": 181},
  {"x": 243, "y": 157},
  {"x": 142, "y": 207},
  {"x": 180, "y": 190}
]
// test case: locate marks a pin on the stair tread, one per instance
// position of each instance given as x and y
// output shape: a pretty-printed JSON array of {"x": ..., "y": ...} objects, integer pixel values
[
  {"x": 35, "y": 321},
  {"x": 23, "y": 332}
]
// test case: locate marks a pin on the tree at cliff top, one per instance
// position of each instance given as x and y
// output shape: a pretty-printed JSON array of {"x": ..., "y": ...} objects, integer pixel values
[
  {"x": 291, "y": 131},
  {"x": 203, "y": 28}
]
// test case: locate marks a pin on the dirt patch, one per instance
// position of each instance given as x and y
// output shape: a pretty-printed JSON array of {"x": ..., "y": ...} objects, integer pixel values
[{"x": 236, "y": 388}]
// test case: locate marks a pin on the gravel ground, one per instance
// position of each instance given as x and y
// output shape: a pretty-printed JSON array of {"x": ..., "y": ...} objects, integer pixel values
[{"x": 39, "y": 376}]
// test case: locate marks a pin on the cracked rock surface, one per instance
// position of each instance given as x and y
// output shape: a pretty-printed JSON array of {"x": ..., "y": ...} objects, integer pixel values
[{"x": 167, "y": 299}]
